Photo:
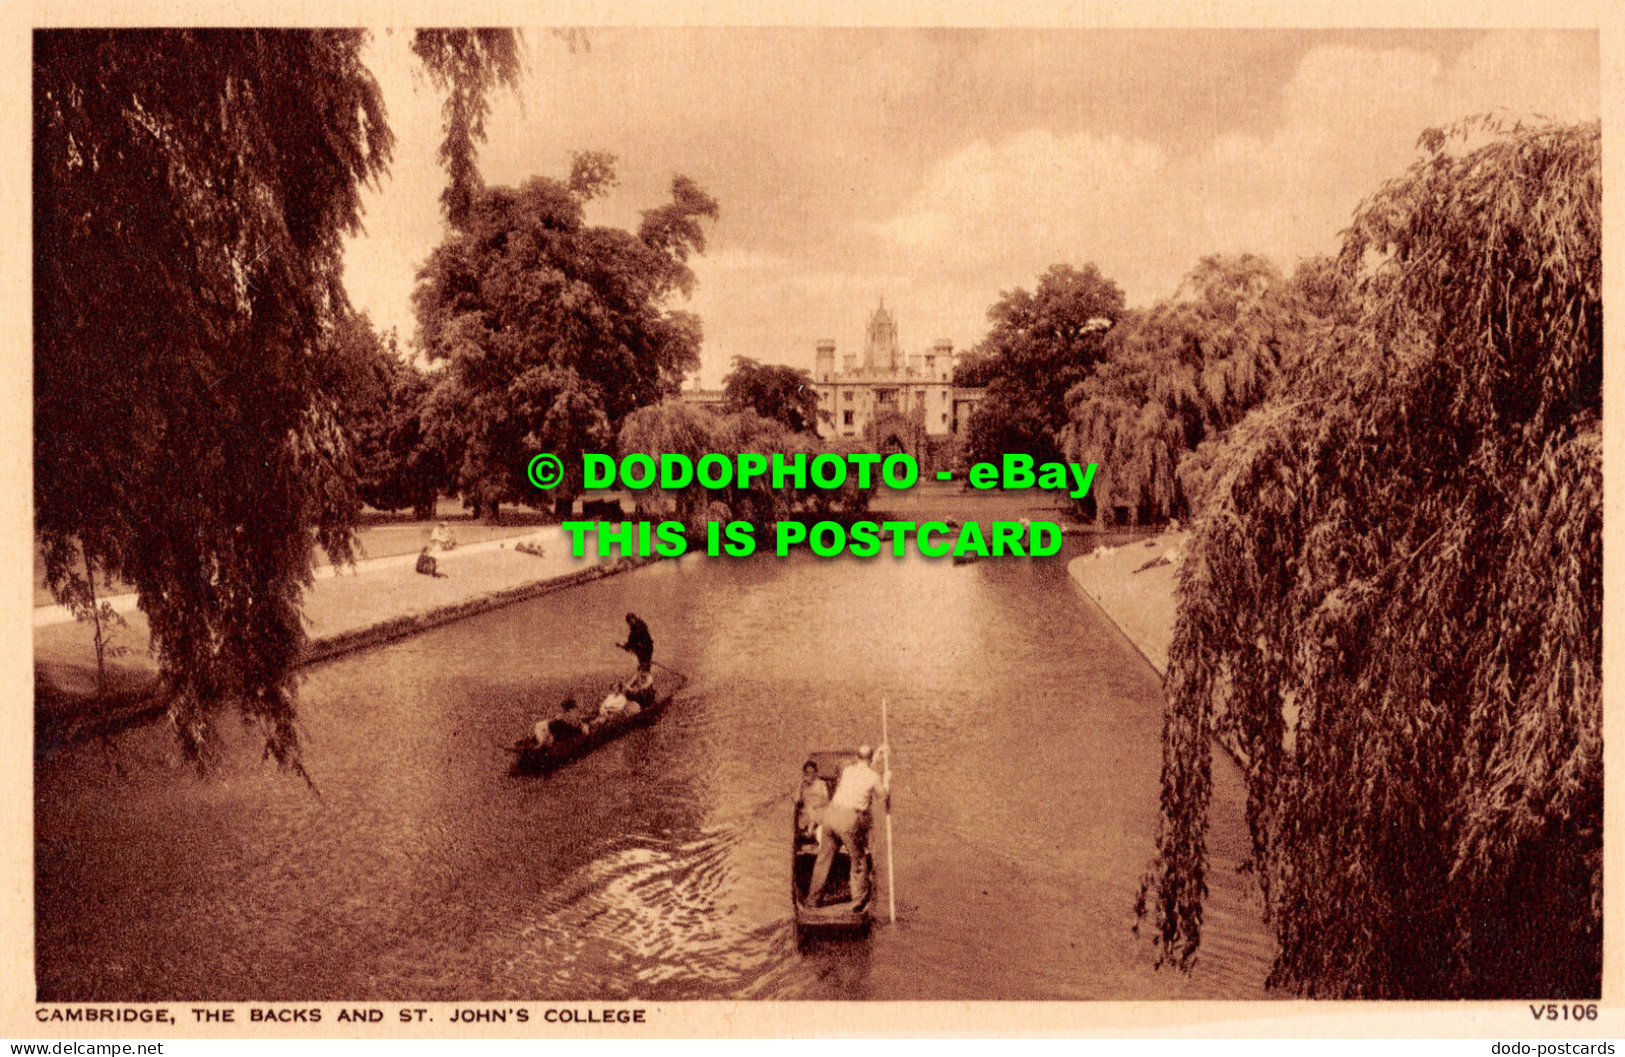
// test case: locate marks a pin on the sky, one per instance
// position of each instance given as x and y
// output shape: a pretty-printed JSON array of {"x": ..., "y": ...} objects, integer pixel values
[{"x": 939, "y": 168}]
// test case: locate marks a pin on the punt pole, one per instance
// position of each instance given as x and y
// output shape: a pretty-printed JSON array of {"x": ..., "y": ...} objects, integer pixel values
[{"x": 891, "y": 876}]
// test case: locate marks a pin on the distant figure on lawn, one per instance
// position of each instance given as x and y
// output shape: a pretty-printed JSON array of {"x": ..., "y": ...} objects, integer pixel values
[
  {"x": 426, "y": 564},
  {"x": 441, "y": 538}
]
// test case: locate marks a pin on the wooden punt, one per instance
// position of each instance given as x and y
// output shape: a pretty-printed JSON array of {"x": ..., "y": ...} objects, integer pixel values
[
  {"x": 838, "y": 914},
  {"x": 533, "y": 760}
]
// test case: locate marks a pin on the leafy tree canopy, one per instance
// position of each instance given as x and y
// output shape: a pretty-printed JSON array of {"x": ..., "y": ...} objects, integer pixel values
[
  {"x": 676, "y": 427},
  {"x": 774, "y": 391},
  {"x": 191, "y": 190},
  {"x": 974, "y": 369},
  {"x": 1041, "y": 344},
  {"x": 1393, "y": 607},
  {"x": 554, "y": 330},
  {"x": 1185, "y": 372},
  {"x": 381, "y": 407}
]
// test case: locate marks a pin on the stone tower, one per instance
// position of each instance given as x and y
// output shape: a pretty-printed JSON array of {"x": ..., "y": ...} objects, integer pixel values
[
  {"x": 881, "y": 354},
  {"x": 824, "y": 364}
]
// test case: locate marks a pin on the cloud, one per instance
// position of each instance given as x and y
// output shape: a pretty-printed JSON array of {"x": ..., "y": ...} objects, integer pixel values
[
  {"x": 940, "y": 169},
  {"x": 1349, "y": 119},
  {"x": 1556, "y": 75},
  {"x": 1035, "y": 192}
]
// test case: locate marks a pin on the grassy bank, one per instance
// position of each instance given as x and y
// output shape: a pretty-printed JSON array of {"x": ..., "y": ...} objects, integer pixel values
[
  {"x": 344, "y": 613},
  {"x": 1134, "y": 586}
]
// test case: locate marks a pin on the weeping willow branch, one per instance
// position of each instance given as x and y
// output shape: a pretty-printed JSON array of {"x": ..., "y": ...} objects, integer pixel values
[{"x": 1394, "y": 603}]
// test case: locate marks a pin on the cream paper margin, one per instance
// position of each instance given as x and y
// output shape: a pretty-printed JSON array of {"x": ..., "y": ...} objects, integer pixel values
[{"x": 1488, "y": 1020}]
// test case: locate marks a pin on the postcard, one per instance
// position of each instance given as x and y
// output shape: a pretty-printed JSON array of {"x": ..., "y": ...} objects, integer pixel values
[{"x": 565, "y": 520}]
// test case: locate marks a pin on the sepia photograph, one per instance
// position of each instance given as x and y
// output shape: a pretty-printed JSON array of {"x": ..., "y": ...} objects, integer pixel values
[{"x": 550, "y": 521}]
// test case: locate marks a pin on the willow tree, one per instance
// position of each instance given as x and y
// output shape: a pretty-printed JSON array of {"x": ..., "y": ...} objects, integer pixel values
[
  {"x": 191, "y": 191},
  {"x": 467, "y": 65},
  {"x": 1393, "y": 608},
  {"x": 677, "y": 427},
  {"x": 1126, "y": 418},
  {"x": 1182, "y": 374}
]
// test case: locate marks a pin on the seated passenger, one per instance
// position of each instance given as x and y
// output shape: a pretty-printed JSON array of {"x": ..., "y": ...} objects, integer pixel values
[
  {"x": 563, "y": 728},
  {"x": 811, "y": 799},
  {"x": 640, "y": 689},
  {"x": 426, "y": 565},
  {"x": 615, "y": 706}
]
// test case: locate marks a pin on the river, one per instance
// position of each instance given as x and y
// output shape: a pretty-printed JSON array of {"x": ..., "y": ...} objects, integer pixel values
[{"x": 1025, "y": 733}]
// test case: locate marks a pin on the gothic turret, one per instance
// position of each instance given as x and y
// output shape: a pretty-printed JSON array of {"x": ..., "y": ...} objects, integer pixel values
[{"x": 881, "y": 353}]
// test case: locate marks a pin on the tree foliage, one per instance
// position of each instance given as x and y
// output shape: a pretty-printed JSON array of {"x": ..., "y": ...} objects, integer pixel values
[
  {"x": 554, "y": 330},
  {"x": 975, "y": 369},
  {"x": 467, "y": 64},
  {"x": 784, "y": 394},
  {"x": 1040, "y": 345},
  {"x": 1186, "y": 371},
  {"x": 1393, "y": 608},
  {"x": 679, "y": 428},
  {"x": 382, "y": 404},
  {"x": 191, "y": 190}
]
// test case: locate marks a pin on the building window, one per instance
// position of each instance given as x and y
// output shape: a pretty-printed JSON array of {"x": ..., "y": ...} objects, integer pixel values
[
  {"x": 846, "y": 419},
  {"x": 945, "y": 416},
  {"x": 849, "y": 396}
]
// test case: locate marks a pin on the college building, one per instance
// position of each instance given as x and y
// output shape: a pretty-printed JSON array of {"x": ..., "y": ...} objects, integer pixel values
[
  {"x": 892, "y": 401},
  {"x": 885, "y": 401}
]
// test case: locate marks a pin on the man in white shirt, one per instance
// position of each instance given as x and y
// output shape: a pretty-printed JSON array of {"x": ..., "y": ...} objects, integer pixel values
[{"x": 847, "y": 818}]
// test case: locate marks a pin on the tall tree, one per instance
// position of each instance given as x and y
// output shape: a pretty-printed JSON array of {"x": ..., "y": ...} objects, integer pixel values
[
  {"x": 1394, "y": 607},
  {"x": 555, "y": 330},
  {"x": 381, "y": 408},
  {"x": 774, "y": 391},
  {"x": 1041, "y": 344},
  {"x": 190, "y": 193}
]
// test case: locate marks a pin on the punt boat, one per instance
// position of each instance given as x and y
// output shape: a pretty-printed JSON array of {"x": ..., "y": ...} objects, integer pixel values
[
  {"x": 532, "y": 759},
  {"x": 838, "y": 914}
]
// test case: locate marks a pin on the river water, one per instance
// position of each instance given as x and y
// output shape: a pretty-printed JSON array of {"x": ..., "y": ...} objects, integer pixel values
[{"x": 1025, "y": 733}]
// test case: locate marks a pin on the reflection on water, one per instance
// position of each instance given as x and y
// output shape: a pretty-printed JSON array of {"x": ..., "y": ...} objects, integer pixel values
[{"x": 1025, "y": 735}]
